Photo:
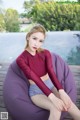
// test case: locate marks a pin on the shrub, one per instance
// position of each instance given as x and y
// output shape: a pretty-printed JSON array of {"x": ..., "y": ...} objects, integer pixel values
[{"x": 56, "y": 16}]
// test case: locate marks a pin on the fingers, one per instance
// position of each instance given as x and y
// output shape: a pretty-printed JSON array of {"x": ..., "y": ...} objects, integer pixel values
[
  {"x": 68, "y": 103},
  {"x": 62, "y": 106},
  {"x": 58, "y": 105}
]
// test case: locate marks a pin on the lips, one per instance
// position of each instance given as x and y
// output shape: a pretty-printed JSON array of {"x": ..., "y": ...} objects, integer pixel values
[{"x": 35, "y": 48}]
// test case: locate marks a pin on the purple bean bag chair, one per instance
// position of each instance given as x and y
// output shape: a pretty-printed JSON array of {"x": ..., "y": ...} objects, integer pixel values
[{"x": 15, "y": 91}]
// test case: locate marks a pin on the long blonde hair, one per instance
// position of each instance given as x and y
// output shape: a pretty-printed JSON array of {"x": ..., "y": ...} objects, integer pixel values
[{"x": 36, "y": 28}]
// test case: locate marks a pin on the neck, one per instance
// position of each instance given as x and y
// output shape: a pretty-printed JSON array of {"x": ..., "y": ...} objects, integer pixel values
[{"x": 30, "y": 51}]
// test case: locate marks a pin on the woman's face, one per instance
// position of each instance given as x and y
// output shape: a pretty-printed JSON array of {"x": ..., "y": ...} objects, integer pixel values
[{"x": 35, "y": 41}]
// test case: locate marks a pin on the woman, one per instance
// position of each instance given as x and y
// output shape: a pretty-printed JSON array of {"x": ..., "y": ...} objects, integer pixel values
[{"x": 45, "y": 89}]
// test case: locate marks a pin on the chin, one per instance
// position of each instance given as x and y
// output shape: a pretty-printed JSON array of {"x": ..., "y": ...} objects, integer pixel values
[{"x": 33, "y": 50}]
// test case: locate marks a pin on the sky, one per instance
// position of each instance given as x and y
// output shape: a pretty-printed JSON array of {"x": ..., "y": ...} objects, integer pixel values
[{"x": 15, "y": 4}]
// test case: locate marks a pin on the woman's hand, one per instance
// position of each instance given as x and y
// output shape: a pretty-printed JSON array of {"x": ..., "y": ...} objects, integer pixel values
[
  {"x": 58, "y": 103},
  {"x": 65, "y": 98}
]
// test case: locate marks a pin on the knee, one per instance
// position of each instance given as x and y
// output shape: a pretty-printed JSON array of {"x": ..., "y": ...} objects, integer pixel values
[
  {"x": 55, "y": 110},
  {"x": 55, "y": 113}
]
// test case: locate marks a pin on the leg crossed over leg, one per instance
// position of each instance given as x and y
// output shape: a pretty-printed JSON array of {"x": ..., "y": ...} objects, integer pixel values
[
  {"x": 73, "y": 110},
  {"x": 43, "y": 101}
]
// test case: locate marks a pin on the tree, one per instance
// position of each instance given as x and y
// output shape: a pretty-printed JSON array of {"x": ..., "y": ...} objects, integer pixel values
[
  {"x": 2, "y": 22},
  {"x": 11, "y": 20},
  {"x": 28, "y": 5},
  {"x": 56, "y": 15}
]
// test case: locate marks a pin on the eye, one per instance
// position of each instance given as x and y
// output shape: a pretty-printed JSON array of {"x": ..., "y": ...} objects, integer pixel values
[
  {"x": 41, "y": 41},
  {"x": 35, "y": 38}
]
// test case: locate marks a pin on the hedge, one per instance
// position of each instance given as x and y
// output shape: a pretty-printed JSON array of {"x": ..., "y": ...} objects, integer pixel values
[{"x": 57, "y": 16}]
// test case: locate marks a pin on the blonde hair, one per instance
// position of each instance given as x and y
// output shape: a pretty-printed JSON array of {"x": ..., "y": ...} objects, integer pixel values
[{"x": 36, "y": 28}]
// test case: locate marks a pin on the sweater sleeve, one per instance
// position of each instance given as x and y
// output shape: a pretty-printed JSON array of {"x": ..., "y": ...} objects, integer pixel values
[
  {"x": 50, "y": 70},
  {"x": 31, "y": 75}
]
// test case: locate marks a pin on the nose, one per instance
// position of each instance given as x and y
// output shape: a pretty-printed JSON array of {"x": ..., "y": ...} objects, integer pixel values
[{"x": 36, "y": 43}]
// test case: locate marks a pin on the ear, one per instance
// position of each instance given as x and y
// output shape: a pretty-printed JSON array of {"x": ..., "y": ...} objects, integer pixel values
[{"x": 28, "y": 39}]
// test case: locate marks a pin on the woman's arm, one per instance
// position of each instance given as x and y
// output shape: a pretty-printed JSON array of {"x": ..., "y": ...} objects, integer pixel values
[
  {"x": 50, "y": 70},
  {"x": 63, "y": 95}
]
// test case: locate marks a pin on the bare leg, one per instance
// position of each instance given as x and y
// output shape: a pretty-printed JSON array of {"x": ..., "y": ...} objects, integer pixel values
[
  {"x": 43, "y": 102},
  {"x": 73, "y": 110}
]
